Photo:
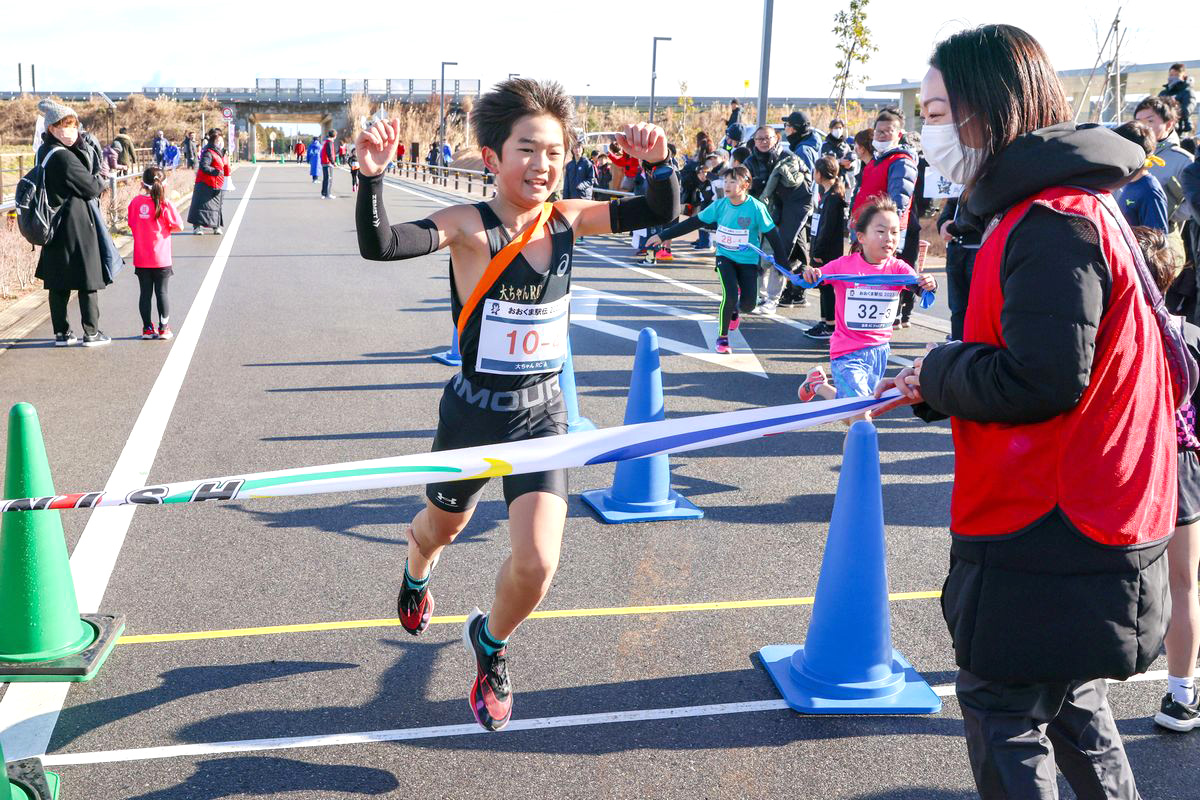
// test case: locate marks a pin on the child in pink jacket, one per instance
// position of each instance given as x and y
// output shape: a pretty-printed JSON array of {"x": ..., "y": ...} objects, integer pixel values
[{"x": 152, "y": 219}]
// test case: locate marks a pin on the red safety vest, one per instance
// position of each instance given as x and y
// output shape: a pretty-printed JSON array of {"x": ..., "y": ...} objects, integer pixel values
[
  {"x": 1109, "y": 463},
  {"x": 875, "y": 182},
  {"x": 214, "y": 181}
]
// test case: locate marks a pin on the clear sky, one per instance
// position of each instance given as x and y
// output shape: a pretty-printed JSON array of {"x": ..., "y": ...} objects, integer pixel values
[{"x": 591, "y": 48}]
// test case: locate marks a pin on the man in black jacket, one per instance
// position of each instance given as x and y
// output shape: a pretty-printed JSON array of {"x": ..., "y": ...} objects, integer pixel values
[
  {"x": 1179, "y": 86},
  {"x": 962, "y": 234}
]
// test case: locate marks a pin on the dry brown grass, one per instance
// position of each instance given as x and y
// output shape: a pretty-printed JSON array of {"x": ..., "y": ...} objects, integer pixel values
[
  {"x": 143, "y": 116},
  {"x": 18, "y": 259}
]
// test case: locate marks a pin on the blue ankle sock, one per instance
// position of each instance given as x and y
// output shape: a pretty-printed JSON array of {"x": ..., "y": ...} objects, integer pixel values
[
  {"x": 414, "y": 583},
  {"x": 490, "y": 644}
]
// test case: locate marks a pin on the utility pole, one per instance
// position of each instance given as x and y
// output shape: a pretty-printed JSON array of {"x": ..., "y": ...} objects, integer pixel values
[
  {"x": 654, "y": 70},
  {"x": 33, "y": 76},
  {"x": 1117, "y": 68},
  {"x": 442, "y": 124},
  {"x": 20, "y": 79},
  {"x": 764, "y": 68}
]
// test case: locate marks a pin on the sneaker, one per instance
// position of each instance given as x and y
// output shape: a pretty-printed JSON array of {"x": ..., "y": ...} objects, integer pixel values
[
  {"x": 822, "y": 330},
  {"x": 905, "y": 323},
  {"x": 664, "y": 255},
  {"x": 808, "y": 389},
  {"x": 197, "y": 230},
  {"x": 491, "y": 693},
  {"x": 164, "y": 332},
  {"x": 148, "y": 332},
  {"x": 640, "y": 253},
  {"x": 218, "y": 231},
  {"x": 649, "y": 259},
  {"x": 1177, "y": 716},
  {"x": 723, "y": 345},
  {"x": 735, "y": 322},
  {"x": 64, "y": 339},
  {"x": 801, "y": 302},
  {"x": 895, "y": 324},
  {"x": 768, "y": 307},
  {"x": 97, "y": 339}
]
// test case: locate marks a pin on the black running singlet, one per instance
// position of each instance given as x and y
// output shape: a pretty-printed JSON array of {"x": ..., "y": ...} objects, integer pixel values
[{"x": 517, "y": 336}]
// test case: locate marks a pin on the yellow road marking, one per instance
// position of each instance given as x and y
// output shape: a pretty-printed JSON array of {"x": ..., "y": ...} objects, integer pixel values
[{"x": 452, "y": 620}]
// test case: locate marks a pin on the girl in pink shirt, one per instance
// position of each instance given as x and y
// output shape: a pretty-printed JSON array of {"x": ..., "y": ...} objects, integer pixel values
[
  {"x": 861, "y": 341},
  {"x": 152, "y": 219}
]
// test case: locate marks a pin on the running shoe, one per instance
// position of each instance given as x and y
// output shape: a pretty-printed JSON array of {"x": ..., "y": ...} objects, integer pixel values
[
  {"x": 97, "y": 339},
  {"x": 64, "y": 339},
  {"x": 768, "y": 307},
  {"x": 148, "y": 332},
  {"x": 808, "y": 389},
  {"x": 723, "y": 345},
  {"x": 197, "y": 230},
  {"x": 905, "y": 323},
  {"x": 895, "y": 324},
  {"x": 664, "y": 255},
  {"x": 491, "y": 693},
  {"x": 822, "y": 330},
  {"x": 1177, "y": 716},
  {"x": 735, "y": 322},
  {"x": 218, "y": 230},
  {"x": 164, "y": 332},
  {"x": 415, "y": 606}
]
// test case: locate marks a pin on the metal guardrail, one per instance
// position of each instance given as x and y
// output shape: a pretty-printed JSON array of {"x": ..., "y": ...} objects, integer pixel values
[
  {"x": 436, "y": 175},
  {"x": 142, "y": 156}
]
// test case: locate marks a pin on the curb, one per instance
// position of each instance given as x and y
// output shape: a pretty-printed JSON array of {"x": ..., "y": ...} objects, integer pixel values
[{"x": 18, "y": 320}]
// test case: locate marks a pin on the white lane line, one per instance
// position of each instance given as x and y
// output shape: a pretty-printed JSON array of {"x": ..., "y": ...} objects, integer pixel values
[
  {"x": 29, "y": 711},
  {"x": 449, "y": 731}
]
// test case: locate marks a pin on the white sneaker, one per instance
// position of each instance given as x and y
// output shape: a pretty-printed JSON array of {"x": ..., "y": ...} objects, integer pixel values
[{"x": 768, "y": 308}]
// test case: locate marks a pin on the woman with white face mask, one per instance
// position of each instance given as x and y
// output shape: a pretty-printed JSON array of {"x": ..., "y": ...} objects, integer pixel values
[
  {"x": 71, "y": 260},
  {"x": 207, "y": 198},
  {"x": 1064, "y": 491}
]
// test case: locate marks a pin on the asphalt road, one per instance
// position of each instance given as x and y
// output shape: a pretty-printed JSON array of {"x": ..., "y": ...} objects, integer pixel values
[{"x": 310, "y": 355}]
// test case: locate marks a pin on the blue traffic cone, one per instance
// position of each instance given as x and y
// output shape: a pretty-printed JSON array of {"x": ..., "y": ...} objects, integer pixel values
[
  {"x": 451, "y": 357},
  {"x": 641, "y": 489},
  {"x": 846, "y": 664},
  {"x": 566, "y": 382}
]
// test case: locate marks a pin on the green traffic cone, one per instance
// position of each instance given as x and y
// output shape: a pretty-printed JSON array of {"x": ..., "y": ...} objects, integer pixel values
[
  {"x": 43, "y": 638},
  {"x": 26, "y": 780}
]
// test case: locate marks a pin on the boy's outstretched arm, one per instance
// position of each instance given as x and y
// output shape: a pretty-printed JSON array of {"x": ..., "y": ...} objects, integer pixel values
[
  {"x": 647, "y": 142},
  {"x": 377, "y": 239}
]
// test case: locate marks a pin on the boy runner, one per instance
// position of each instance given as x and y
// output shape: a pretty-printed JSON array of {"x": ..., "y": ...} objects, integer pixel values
[{"x": 510, "y": 263}]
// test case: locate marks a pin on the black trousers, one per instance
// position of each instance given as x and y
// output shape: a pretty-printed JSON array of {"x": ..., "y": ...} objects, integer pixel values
[
  {"x": 739, "y": 289},
  {"x": 1018, "y": 732},
  {"x": 153, "y": 284},
  {"x": 960, "y": 264},
  {"x": 89, "y": 310},
  {"x": 828, "y": 302},
  {"x": 326, "y": 179}
]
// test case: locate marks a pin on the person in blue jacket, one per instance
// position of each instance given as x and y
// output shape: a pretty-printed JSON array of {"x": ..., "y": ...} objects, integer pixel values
[
  {"x": 579, "y": 175},
  {"x": 314, "y": 159},
  {"x": 1142, "y": 200},
  {"x": 802, "y": 139}
]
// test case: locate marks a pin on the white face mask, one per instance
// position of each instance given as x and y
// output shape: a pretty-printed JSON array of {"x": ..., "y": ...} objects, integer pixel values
[
  {"x": 883, "y": 147},
  {"x": 948, "y": 155}
]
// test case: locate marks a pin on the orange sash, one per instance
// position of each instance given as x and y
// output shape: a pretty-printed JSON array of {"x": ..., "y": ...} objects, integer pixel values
[{"x": 499, "y": 263}]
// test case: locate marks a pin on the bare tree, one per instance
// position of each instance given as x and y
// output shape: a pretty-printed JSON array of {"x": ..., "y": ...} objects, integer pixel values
[{"x": 855, "y": 47}]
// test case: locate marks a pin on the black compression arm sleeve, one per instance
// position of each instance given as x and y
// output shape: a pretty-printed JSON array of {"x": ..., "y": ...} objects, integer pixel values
[
  {"x": 379, "y": 241},
  {"x": 681, "y": 228},
  {"x": 659, "y": 206},
  {"x": 780, "y": 250}
]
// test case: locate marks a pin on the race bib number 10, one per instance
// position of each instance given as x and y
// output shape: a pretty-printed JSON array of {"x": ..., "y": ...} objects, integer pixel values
[
  {"x": 518, "y": 338},
  {"x": 870, "y": 308}
]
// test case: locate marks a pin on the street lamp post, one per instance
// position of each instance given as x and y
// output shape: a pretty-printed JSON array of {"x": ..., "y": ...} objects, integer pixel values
[
  {"x": 512, "y": 75},
  {"x": 654, "y": 70},
  {"x": 442, "y": 113}
]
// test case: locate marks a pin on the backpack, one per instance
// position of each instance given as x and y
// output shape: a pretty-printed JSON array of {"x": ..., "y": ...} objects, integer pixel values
[{"x": 36, "y": 219}]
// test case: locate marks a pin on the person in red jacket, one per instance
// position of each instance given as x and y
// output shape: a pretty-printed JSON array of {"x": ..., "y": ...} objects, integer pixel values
[
  {"x": 329, "y": 154},
  {"x": 1064, "y": 492},
  {"x": 630, "y": 166},
  {"x": 299, "y": 149},
  {"x": 207, "y": 199}
]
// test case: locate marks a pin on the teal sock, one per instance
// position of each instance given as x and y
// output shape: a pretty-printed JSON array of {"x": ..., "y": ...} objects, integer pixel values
[
  {"x": 414, "y": 583},
  {"x": 490, "y": 644}
]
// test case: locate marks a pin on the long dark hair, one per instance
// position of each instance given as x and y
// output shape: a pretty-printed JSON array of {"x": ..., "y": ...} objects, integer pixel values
[
  {"x": 212, "y": 135},
  {"x": 1000, "y": 78},
  {"x": 152, "y": 179},
  {"x": 704, "y": 145},
  {"x": 829, "y": 169}
]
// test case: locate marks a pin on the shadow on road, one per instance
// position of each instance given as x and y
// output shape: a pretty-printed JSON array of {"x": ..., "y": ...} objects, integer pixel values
[{"x": 263, "y": 776}]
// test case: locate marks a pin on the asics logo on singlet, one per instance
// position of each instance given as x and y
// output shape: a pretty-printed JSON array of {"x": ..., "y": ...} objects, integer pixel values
[
  {"x": 450, "y": 501},
  {"x": 564, "y": 264}
]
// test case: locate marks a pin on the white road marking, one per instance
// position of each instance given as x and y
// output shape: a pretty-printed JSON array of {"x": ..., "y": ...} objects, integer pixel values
[
  {"x": 583, "y": 312},
  {"x": 448, "y": 731},
  {"x": 29, "y": 711}
]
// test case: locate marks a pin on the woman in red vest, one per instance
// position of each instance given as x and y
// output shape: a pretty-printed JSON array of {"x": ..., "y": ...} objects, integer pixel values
[
  {"x": 206, "y": 211},
  {"x": 1065, "y": 468}
]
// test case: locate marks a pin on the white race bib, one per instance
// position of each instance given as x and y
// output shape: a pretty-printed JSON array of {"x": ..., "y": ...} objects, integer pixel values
[
  {"x": 520, "y": 338},
  {"x": 816, "y": 223},
  {"x": 730, "y": 238},
  {"x": 870, "y": 308}
]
